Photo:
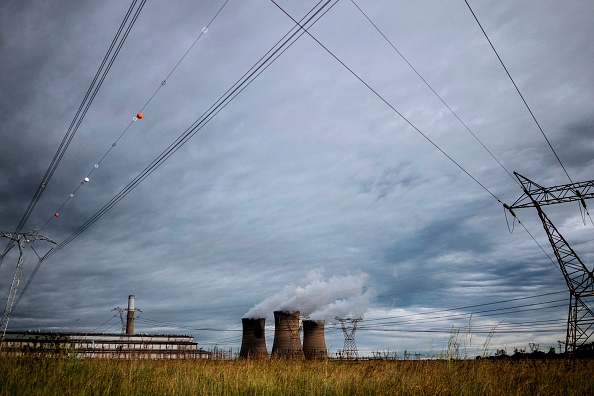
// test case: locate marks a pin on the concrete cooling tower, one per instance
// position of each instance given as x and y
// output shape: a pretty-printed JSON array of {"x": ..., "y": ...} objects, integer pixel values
[
  {"x": 287, "y": 344},
  {"x": 314, "y": 344},
  {"x": 253, "y": 343}
]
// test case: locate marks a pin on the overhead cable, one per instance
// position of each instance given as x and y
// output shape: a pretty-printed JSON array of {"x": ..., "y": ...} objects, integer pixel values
[
  {"x": 113, "y": 145},
  {"x": 265, "y": 61},
  {"x": 305, "y": 29},
  {"x": 134, "y": 119},
  {"x": 518, "y": 90},
  {"x": 434, "y": 92},
  {"x": 102, "y": 72}
]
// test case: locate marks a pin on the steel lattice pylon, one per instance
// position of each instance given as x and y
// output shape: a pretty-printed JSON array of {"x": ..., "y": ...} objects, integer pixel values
[
  {"x": 579, "y": 279},
  {"x": 349, "y": 350},
  {"x": 22, "y": 239}
]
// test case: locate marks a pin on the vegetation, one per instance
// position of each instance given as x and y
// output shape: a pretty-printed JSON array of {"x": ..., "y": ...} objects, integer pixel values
[{"x": 64, "y": 375}]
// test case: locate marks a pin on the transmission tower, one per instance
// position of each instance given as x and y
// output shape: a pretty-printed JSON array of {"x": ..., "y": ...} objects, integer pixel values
[
  {"x": 128, "y": 324},
  {"x": 122, "y": 321},
  {"x": 579, "y": 279},
  {"x": 21, "y": 239},
  {"x": 349, "y": 326}
]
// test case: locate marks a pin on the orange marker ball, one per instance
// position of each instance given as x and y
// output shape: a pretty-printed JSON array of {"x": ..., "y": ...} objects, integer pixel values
[
  {"x": 57, "y": 214},
  {"x": 139, "y": 115}
]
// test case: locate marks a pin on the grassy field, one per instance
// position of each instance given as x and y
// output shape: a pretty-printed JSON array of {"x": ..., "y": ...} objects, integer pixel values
[{"x": 71, "y": 376}]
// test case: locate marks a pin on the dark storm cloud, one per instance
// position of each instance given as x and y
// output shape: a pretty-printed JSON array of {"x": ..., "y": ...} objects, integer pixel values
[{"x": 577, "y": 145}]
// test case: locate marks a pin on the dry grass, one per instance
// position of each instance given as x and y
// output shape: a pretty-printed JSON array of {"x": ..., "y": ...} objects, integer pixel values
[{"x": 71, "y": 376}]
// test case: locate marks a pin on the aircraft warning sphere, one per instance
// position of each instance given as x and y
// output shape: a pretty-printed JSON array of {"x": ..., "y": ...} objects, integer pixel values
[
  {"x": 57, "y": 214},
  {"x": 139, "y": 115},
  {"x": 86, "y": 179}
]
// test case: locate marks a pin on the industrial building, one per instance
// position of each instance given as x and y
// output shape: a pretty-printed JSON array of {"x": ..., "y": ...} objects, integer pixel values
[
  {"x": 104, "y": 345},
  {"x": 287, "y": 341},
  {"x": 126, "y": 345}
]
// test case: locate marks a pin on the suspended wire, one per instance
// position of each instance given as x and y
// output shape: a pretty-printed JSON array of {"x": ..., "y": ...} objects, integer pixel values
[
  {"x": 404, "y": 118},
  {"x": 273, "y": 54},
  {"x": 474, "y": 305},
  {"x": 260, "y": 66},
  {"x": 195, "y": 125},
  {"x": 204, "y": 30},
  {"x": 134, "y": 119},
  {"x": 305, "y": 29},
  {"x": 167, "y": 324},
  {"x": 102, "y": 324},
  {"x": 434, "y": 92},
  {"x": 81, "y": 112},
  {"x": 419, "y": 131},
  {"x": 555, "y": 263},
  {"x": 468, "y": 129},
  {"x": 518, "y": 90},
  {"x": 369, "y": 324},
  {"x": 341, "y": 292},
  {"x": 484, "y": 313}
]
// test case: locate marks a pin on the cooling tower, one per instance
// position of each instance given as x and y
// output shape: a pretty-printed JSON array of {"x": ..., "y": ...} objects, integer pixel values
[
  {"x": 314, "y": 344},
  {"x": 253, "y": 343},
  {"x": 287, "y": 343}
]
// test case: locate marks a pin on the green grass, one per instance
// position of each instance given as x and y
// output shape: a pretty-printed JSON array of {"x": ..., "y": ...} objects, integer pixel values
[{"x": 71, "y": 376}]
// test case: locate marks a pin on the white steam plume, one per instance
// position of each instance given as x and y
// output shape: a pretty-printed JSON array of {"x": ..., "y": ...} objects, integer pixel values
[{"x": 319, "y": 298}]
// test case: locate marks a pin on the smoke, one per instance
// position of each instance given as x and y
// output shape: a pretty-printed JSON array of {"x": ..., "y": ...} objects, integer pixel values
[{"x": 342, "y": 296}]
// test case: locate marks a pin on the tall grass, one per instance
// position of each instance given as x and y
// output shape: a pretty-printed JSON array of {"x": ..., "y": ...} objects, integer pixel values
[{"x": 71, "y": 376}]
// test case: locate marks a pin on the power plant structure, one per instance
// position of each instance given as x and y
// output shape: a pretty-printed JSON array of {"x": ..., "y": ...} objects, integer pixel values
[
  {"x": 124, "y": 345},
  {"x": 287, "y": 340},
  {"x": 287, "y": 343},
  {"x": 314, "y": 343},
  {"x": 253, "y": 342}
]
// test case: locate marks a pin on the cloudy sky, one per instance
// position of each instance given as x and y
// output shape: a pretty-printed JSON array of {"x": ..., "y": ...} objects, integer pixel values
[{"x": 323, "y": 186}]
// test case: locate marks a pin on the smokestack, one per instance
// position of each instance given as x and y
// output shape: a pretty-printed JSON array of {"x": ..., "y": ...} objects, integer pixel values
[
  {"x": 253, "y": 343},
  {"x": 287, "y": 343},
  {"x": 130, "y": 316},
  {"x": 314, "y": 344}
]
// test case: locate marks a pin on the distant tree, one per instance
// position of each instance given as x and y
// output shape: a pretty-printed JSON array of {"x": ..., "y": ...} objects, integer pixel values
[
  {"x": 585, "y": 350},
  {"x": 552, "y": 352},
  {"x": 500, "y": 353}
]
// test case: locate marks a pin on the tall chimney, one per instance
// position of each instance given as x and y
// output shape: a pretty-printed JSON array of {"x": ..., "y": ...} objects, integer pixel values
[
  {"x": 130, "y": 316},
  {"x": 287, "y": 343},
  {"x": 253, "y": 342},
  {"x": 314, "y": 344}
]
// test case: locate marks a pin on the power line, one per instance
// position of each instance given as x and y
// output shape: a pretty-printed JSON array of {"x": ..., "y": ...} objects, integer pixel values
[
  {"x": 434, "y": 92},
  {"x": 401, "y": 115},
  {"x": 445, "y": 313},
  {"x": 114, "y": 144},
  {"x": 264, "y": 62},
  {"x": 410, "y": 123},
  {"x": 102, "y": 72},
  {"x": 305, "y": 29},
  {"x": 518, "y": 90},
  {"x": 204, "y": 30},
  {"x": 481, "y": 314},
  {"x": 260, "y": 66}
]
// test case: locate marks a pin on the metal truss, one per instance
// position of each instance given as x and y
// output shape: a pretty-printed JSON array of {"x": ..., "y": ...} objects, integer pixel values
[
  {"x": 349, "y": 326},
  {"x": 579, "y": 279},
  {"x": 21, "y": 239}
]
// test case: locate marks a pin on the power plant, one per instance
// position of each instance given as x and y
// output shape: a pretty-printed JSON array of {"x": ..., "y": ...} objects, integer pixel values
[
  {"x": 314, "y": 343},
  {"x": 253, "y": 342},
  {"x": 125, "y": 345},
  {"x": 287, "y": 341}
]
